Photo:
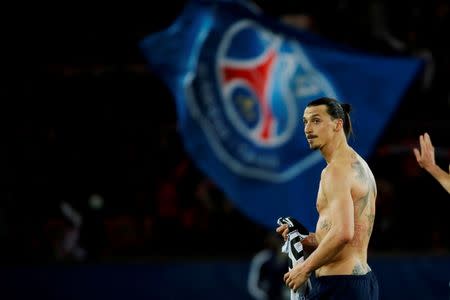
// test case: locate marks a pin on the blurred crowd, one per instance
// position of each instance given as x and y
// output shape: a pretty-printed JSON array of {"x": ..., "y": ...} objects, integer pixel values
[{"x": 95, "y": 169}]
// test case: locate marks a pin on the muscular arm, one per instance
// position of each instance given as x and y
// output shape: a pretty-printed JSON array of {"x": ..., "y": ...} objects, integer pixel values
[
  {"x": 336, "y": 183},
  {"x": 337, "y": 190}
]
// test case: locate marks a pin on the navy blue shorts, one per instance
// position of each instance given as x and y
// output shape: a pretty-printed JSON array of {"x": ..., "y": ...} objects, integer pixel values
[{"x": 352, "y": 287}]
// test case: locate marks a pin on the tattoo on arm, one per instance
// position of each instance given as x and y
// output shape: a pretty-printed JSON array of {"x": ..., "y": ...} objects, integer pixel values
[
  {"x": 362, "y": 203},
  {"x": 360, "y": 171},
  {"x": 363, "y": 176},
  {"x": 371, "y": 218}
]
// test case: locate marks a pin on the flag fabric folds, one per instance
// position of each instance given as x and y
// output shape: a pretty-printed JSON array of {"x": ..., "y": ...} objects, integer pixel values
[{"x": 241, "y": 80}]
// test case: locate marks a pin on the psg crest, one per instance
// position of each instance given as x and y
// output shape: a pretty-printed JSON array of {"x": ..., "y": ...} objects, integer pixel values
[{"x": 246, "y": 97}]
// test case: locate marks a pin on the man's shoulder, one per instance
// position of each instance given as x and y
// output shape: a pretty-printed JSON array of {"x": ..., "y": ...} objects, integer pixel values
[{"x": 336, "y": 168}]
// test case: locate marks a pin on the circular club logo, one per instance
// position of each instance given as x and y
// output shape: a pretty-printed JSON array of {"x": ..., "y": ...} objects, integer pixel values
[{"x": 246, "y": 94}]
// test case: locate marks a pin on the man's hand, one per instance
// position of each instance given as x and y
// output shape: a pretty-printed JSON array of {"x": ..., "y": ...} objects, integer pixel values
[
  {"x": 296, "y": 277},
  {"x": 309, "y": 244},
  {"x": 293, "y": 224},
  {"x": 288, "y": 224},
  {"x": 283, "y": 230},
  {"x": 425, "y": 157}
]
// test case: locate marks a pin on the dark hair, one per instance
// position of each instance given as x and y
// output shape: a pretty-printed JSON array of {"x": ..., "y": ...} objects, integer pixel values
[{"x": 337, "y": 111}]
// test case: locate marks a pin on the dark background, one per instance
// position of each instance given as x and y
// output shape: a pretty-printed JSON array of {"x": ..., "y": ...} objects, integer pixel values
[{"x": 82, "y": 116}]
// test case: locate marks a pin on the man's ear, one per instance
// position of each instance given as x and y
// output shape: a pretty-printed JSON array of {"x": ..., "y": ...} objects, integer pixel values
[{"x": 339, "y": 123}]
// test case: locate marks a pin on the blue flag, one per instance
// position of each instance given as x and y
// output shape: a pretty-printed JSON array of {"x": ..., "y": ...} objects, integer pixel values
[{"x": 241, "y": 81}]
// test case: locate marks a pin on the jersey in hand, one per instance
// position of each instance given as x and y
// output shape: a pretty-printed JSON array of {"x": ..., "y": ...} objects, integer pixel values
[{"x": 294, "y": 249}]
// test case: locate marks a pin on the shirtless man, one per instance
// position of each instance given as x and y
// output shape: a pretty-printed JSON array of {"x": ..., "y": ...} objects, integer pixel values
[{"x": 346, "y": 206}]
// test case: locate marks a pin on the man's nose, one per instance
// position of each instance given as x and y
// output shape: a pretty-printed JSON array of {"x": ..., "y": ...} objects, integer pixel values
[{"x": 307, "y": 128}]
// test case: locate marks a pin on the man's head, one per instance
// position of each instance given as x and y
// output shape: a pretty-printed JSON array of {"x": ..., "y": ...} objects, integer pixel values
[{"x": 323, "y": 119}]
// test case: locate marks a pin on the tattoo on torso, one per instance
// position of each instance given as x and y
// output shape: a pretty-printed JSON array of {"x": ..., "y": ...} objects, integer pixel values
[
  {"x": 325, "y": 225},
  {"x": 358, "y": 270}
]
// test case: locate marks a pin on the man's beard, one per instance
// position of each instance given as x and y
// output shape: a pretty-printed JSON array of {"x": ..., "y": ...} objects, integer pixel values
[
  {"x": 313, "y": 146},
  {"x": 311, "y": 138}
]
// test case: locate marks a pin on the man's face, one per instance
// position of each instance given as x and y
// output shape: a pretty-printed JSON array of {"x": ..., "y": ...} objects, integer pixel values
[{"x": 319, "y": 127}]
